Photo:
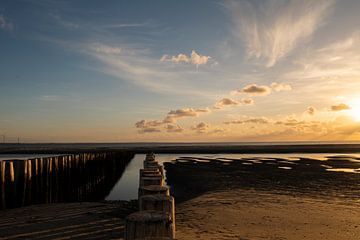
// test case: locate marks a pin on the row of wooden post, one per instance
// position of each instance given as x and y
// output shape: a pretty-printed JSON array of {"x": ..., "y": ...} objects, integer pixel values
[
  {"x": 156, "y": 216},
  {"x": 67, "y": 178}
]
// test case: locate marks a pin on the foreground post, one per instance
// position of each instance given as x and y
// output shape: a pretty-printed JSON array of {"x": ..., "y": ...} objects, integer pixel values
[
  {"x": 158, "y": 202},
  {"x": 156, "y": 219},
  {"x": 149, "y": 225}
]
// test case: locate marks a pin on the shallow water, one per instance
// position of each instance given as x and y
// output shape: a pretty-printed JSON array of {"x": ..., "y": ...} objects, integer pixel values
[{"x": 127, "y": 186}]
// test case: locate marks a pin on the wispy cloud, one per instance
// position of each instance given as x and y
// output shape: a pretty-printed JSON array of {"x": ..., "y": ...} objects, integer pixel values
[
  {"x": 65, "y": 23},
  {"x": 194, "y": 58},
  {"x": 262, "y": 120},
  {"x": 274, "y": 28},
  {"x": 279, "y": 87},
  {"x": 337, "y": 60},
  {"x": 6, "y": 24}
]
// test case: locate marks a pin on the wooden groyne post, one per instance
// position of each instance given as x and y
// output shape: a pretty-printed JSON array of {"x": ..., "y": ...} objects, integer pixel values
[
  {"x": 65, "y": 178},
  {"x": 156, "y": 216}
]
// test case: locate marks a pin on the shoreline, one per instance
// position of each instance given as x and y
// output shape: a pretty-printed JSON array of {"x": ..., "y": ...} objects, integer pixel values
[{"x": 203, "y": 148}]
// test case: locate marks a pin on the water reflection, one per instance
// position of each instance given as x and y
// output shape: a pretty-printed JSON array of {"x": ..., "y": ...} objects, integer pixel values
[
  {"x": 127, "y": 187},
  {"x": 71, "y": 178}
]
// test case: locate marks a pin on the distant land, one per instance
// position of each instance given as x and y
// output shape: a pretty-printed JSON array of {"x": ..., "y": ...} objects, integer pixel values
[{"x": 200, "y": 147}]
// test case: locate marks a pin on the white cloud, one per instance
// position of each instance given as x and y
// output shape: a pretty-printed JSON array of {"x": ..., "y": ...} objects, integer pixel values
[
  {"x": 337, "y": 60},
  {"x": 272, "y": 29},
  {"x": 105, "y": 49},
  {"x": 279, "y": 87},
  {"x": 194, "y": 58}
]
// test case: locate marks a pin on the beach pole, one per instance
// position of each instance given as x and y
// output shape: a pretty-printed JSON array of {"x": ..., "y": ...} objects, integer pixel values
[
  {"x": 2, "y": 172},
  {"x": 159, "y": 202},
  {"x": 149, "y": 225},
  {"x": 151, "y": 180},
  {"x": 156, "y": 218}
]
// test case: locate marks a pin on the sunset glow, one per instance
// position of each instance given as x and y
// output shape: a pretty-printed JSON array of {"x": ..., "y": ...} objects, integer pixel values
[{"x": 134, "y": 72}]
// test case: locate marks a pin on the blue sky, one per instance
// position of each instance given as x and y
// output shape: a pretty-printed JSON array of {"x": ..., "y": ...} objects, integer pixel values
[{"x": 89, "y": 71}]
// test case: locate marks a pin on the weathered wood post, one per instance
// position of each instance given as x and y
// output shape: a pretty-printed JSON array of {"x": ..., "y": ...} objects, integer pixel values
[
  {"x": 158, "y": 202},
  {"x": 149, "y": 225},
  {"x": 9, "y": 183},
  {"x": 151, "y": 180},
  {"x": 2, "y": 179}
]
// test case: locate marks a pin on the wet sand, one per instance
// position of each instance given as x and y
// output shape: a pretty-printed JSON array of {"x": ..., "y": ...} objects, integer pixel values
[
  {"x": 96, "y": 220},
  {"x": 248, "y": 198},
  {"x": 266, "y": 198},
  {"x": 248, "y": 214}
]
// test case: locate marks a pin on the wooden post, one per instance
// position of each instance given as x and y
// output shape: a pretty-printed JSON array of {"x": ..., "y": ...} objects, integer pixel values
[
  {"x": 149, "y": 225},
  {"x": 153, "y": 180},
  {"x": 150, "y": 164},
  {"x": 148, "y": 173},
  {"x": 2, "y": 179},
  {"x": 158, "y": 202},
  {"x": 150, "y": 157},
  {"x": 153, "y": 189}
]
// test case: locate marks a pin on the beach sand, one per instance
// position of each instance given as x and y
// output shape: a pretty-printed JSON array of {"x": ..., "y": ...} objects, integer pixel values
[
  {"x": 249, "y": 214},
  {"x": 266, "y": 198},
  {"x": 249, "y": 198}
]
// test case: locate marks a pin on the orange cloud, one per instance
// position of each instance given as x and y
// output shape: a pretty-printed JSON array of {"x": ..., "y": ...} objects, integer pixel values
[{"x": 339, "y": 107}]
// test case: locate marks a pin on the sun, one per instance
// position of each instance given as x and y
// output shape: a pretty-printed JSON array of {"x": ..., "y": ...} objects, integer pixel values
[{"x": 355, "y": 110}]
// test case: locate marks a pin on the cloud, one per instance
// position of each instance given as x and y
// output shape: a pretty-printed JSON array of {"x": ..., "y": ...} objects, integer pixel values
[
  {"x": 187, "y": 112},
  {"x": 336, "y": 60},
  {"x": 254, "y": 89},
  {"x": 201, "y": 127},
  {"x": 149, "y": 130},
  {"x": 105, "y": 49},
  {"x": 5, "y": 24},
  {"x": 169, "y": 119},
  {"x": 272, "y": 29},
  {"x": 64, "y": 23},
  {"x": 279, "y": 87},
  {"x": 146, "y": 124},
  {"x": 262, "y": 120},
  {"x": 174, "y": 128},
  {"x": 194, "y": 58},
  {"x": 311, "y": 110},
  {"x": 339, "y": 107},
  {"x": 247, "y": 101},
  {"x": 225, "y": 102}
]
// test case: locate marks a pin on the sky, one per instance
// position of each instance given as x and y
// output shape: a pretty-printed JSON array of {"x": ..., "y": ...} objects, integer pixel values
[{"x": 179, "y": 71}]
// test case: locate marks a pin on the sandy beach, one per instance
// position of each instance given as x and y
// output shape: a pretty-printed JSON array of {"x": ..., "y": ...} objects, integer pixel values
[
  {"x": 221, "y": 198},
  {"x": 264, "y": 198},
  {"x": 249, "y": 214}
]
